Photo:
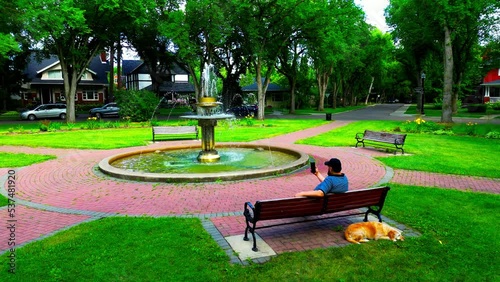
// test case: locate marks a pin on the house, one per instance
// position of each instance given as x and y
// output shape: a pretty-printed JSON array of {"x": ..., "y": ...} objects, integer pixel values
[
  {"x": 176, "y": 84},
  {"x": 275, "y": 94},
  {"x": 491, "y": 86},
  {"x": 45, "y": 82}
]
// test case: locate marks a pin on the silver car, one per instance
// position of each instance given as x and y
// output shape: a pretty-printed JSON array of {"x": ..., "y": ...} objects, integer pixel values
[{"x": 45, "y": 111}]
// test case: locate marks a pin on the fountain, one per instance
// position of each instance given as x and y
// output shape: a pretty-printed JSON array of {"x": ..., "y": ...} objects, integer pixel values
[
  {"x": 186, "y": 164},
  {"x": 207, "y": 116}
]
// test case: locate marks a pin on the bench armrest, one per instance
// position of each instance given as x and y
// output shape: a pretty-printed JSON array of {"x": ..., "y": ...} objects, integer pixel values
[
  {"x": 249, "y": 212},
  {"x": 359, "y": 135}
]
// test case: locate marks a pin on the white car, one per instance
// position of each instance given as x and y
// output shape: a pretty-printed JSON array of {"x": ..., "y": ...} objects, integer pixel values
[{"x": 45, "y": 111}]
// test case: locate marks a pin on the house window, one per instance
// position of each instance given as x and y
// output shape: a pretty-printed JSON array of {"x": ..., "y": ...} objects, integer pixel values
[
  {"x": 181, "y": 78},
  {"x": 90, "y": 95},
  {"x": 54, "y": 74},
  {"x": 63, "y": 97}
]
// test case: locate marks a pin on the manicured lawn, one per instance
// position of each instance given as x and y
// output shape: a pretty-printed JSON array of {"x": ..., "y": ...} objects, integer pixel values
[
  {"x": 430, "y": 110},
  {"x": 138, "y": 134},
  {"x": 462, "y": 155},
  {"x": 454, "y": 246},
  {"x": 10, "y": 160}
]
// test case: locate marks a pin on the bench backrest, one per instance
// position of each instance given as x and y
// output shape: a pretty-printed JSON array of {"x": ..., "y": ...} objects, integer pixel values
[
  {"x": 174, "y": 129},
  {"x": 296, "y": 207},
  {"x": 288, "y": 207},
  {"x": 356, "y": 199},
  {"x": 385, "y": 137}
]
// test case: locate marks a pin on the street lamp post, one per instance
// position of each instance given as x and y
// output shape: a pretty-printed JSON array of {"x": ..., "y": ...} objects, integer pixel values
[{"x": 423, "y": 93}]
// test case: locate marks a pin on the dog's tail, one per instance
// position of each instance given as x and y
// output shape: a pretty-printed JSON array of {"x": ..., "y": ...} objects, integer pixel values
[{"x": 349, "y": 238}]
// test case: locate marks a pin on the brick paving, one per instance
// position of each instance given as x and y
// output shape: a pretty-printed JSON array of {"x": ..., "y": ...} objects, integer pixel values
[{"x": 60, "y": 193}]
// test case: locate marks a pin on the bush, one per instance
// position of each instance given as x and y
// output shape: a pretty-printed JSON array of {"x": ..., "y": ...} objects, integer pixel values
[
  {"x": 476, "y": 108},
  {"x": 137, "y": 105},
  {"x": 495, "y": 106},
  {"x": 493, "y": 135}
]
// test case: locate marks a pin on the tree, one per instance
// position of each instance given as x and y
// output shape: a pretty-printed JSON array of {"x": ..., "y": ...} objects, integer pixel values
[
  {"x": 75, "y": 31},
  {"x": 457, "y": 25},
  {"x": 330, "y": 40}
]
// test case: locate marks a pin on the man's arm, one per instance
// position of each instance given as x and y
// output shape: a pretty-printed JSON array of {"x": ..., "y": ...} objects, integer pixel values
[{"x": 315, "y": 193}]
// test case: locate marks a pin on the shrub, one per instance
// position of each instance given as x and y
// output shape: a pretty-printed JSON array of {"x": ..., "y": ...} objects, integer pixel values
[
  {"x": 495, "y": 106},
  {"x": 476, "y": 108},
  {"x": 493, "y": 135},
  {"x": 44, "y": 125},
  {"x": 137, "y": 105},
  {"x": 420, "y": 125},
  {"x": 54, "y": 126},
  {"x": 92, "y": 123}
]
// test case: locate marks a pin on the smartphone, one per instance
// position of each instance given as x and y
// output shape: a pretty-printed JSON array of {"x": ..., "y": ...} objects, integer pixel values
[{"x": 313, "y": 167}]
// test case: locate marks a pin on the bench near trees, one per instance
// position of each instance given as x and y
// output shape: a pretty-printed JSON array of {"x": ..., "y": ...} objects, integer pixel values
[
  {"x": 162, "y": 132},
  {"x": 373, "y": 199},
  {"x": 398, "y": 140}
]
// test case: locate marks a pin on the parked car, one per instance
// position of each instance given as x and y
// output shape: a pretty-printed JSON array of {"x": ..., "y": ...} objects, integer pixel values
[
  {"x": 45, "y": 111},
  {"x": 108, "y": 110},
  {"x": 244, "y": 111}
]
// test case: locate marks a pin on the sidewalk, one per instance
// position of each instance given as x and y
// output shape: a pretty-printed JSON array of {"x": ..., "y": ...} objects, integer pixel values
[{"x": 61, "y": 193}]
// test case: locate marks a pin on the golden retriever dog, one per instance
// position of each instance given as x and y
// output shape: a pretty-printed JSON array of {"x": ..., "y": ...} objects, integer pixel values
[{"x": 363, "y": 231}]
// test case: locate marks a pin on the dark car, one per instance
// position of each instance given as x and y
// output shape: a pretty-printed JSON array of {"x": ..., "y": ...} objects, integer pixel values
[
  {"x": 244, "y": 111},
  {"x": 45, "y": 111},
  {"x": 108, "y": 110}
]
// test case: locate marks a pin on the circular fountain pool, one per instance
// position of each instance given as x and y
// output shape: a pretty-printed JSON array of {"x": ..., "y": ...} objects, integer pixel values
[{"x": 179, "y": 163}]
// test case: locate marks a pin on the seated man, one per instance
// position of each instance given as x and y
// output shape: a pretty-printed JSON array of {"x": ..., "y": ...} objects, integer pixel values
[{"x": 335, "y": 182}]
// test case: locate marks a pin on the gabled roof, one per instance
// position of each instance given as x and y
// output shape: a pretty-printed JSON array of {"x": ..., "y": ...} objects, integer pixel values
[{"x": 36, "y": 67}]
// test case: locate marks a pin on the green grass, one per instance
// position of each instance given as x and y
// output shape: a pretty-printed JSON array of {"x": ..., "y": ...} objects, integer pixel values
[
  {"x": 139, "y": 134},
  {"x": 462, "y": 155},
  {"x": 432, "y": 111},
  {"x": 454, "y": 246},
  {"x": 9, "y": 160}
]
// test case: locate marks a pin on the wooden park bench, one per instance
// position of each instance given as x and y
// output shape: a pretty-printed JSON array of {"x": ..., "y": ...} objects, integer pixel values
[
  {"x": 177, "y": 131},
  {"x": 398, "y": 140},
  {"x": 373, "y": 199}
]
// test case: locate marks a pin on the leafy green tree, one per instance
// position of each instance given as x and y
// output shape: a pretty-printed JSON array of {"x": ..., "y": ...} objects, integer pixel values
[
  {"x": 75, "y": 31},
  {"x": 137, "y": 105},
  {"x": 456, "y": 26}
]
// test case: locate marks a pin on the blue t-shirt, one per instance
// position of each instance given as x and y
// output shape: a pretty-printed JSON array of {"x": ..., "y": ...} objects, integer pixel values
[{"x": 334, "y": 184}]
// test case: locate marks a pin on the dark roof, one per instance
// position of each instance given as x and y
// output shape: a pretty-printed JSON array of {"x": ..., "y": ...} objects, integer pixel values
[
  {"x": 96, "y": 65},
  {"x": 138, "y": 66},
  {"x": 130, "y": 65},
  {"x": 169, "y": 86},
  {"x": 272, "y": 87}
]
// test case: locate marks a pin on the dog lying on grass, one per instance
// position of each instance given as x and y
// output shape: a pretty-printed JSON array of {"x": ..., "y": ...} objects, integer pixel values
[{"x": 364, "y": 231}]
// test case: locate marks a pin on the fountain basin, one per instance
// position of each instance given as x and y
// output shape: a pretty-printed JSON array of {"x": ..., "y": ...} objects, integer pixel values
[{"x": 298, "y": 160}]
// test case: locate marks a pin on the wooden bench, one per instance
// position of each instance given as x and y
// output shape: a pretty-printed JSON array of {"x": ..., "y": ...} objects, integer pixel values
[
  {"x": 178, "y": 131},
  {"x": 373, "y": 199},
  {"x": 398, "y": 140}
]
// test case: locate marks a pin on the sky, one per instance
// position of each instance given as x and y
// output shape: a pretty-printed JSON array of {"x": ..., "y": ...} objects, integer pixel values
[{"x": 374, "y": 10}]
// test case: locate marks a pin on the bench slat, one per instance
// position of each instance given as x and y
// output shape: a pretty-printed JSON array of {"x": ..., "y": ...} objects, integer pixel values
[{"x": 289, "y": 207}]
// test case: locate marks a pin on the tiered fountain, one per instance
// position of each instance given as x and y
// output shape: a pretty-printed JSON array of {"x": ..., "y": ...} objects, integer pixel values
[
  {"x": 185, "y": 163},
  {"x": 208, "y": 112}
]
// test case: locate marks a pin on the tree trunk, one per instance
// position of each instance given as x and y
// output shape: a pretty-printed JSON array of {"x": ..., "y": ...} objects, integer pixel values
[
  {"x": 446, "y": 115},
  {"x": 369, "y": 90}
]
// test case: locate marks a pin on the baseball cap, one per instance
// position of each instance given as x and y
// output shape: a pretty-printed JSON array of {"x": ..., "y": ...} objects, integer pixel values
[{"x": 335, "y": 164}]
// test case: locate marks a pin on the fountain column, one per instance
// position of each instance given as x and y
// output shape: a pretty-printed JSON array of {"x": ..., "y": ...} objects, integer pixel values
[{"x": 208, "y": 153}]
